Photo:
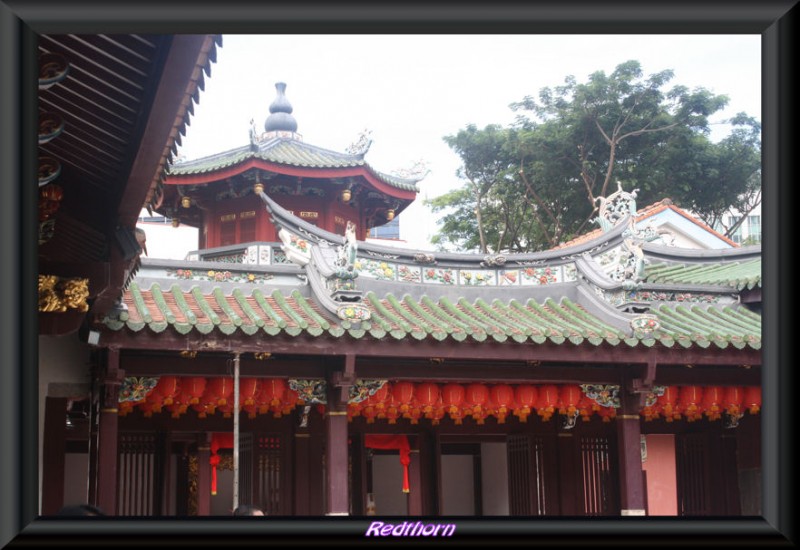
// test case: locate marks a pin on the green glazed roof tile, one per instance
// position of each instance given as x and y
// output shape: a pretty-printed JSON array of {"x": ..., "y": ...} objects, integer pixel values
[
  {"x": 288, "y": 152},
  {"x": 417, "y": 319},
  {"x": 739, "y": 275}
]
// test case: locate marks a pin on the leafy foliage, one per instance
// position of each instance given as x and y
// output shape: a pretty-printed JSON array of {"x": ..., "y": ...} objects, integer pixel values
[{"x": 535, "y": 184}]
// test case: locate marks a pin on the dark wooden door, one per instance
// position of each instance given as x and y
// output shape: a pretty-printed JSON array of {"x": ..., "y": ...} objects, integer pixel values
[
  {"x": 141, "y": 470},
  {"x": 693, "y": 475},
  {"x": 598, "y": 476},
  {"x": 531, "y": 475},
  {"x": 271, "y": 474}
]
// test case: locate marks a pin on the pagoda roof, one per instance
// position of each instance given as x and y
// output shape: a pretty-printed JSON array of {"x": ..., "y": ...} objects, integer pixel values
[{"x": 284, "y": 152}]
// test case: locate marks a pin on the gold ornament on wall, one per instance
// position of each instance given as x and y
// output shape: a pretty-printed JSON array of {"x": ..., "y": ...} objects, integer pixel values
[{"x": 57, "y": 295}]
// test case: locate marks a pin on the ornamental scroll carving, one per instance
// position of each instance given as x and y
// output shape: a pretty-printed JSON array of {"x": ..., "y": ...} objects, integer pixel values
[{"x": 58, "y": 295}]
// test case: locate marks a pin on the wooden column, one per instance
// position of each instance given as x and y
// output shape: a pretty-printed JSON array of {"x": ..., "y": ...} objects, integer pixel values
[
  {"x": 358, "y": 461},
  {"x": 336, "y": 448},
  {"x": 336, "y": 462},
  {"x": 415, "y": 485},
  {"x": 204, "y": 476},
  {"x": 108, "y": 435},
  {"x": 631, "y": 479},
  {"x": 427, "y": 473},
  {"x": 53, "y": 451}
]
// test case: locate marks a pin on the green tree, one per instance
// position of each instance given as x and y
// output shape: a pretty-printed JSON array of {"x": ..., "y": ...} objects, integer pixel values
[{"x": 536, "y": 184}]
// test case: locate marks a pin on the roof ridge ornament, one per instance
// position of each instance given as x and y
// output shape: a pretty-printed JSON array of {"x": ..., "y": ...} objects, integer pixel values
[
  {"x": 362, "y": 143},
  {"x": 417, "y": 171},
  {"x": 254, "y": 137},
  {"x": 616, "y": 207},
  {"x": 280, "y": 122}
]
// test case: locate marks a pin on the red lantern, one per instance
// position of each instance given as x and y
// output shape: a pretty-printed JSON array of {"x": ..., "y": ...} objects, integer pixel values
[
  {"x": 548, "y": 400},
  {"x": 192, "y": 389},
  {"x": 586, "y": 406},
  {"x": 203, "y": 409},
  {"x": 452, "y": 398},
  {"x": 226, "y": 410},
  {"x": 428, "y": 395},
  {"x": 176, "y": 409},
  {"x": 369, "y": 412},
  {"x": 607, "y": 413},
  {"x": 476, "y": 397},
  {"x": 403, "y": 393},
  {"x": 168, "y": 388},
  {"x": 154, "y": 402},
  {"x": 248, "y": 390},
  {"x": 436, "y": 415},
  {"x": 413, "y": 414},
  {"x": 271, "y": 394},
  {"x": 251, "y": 410},
  {"x": 149, "y": 407},
  {"x": 732, "y": 400},
  {"x": 690, "y": 402},
  {"x": 392, "y": 409},
  {"x": 752, "y": 399},
  {"x": 503, "y": 397},
  {"x": 568, "y": 398},
  {"x": 125, "y": 407},
  {"x": 220, "y": 390},
  {"x": 712, "y": 402},
  {"x": 525, "y": 396},
  {"x": 353, "y": 410},
  {"x": 378, "y": 399},
  {"x": 666, "y": 404},
  {"x": 288, "y": 403}
]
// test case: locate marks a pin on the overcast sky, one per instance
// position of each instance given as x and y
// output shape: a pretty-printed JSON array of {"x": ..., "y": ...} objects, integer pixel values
[{"x": 411, "y": 90}]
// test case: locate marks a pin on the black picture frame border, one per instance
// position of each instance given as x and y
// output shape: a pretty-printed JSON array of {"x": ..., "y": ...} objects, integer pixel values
[{"x": 20, "y": 21}]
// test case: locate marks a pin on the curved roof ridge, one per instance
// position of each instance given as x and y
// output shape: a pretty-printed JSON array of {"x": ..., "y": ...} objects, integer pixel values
[
  {"x": 283, "y": 218},
  {"x": 713, "y": 254}
]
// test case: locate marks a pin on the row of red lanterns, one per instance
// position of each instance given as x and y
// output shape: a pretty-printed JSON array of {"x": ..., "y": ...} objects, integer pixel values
[
  {"x": 694, "y": 402},
  {"x": 432, "y": 401},
  {"x": 208, "y": 396},
  {"x": 479, "y": 401}
]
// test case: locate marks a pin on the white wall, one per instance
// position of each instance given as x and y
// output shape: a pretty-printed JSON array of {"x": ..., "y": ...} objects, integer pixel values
[
  {"x": 494, "y": 479},
  {"x": 76, "y": 480},
  {"x": 458, "y": 491},
  {"x": 387, "y": 486}
]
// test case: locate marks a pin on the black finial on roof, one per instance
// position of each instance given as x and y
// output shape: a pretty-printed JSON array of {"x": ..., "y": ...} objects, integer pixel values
[{"x": 280, "y": 118}]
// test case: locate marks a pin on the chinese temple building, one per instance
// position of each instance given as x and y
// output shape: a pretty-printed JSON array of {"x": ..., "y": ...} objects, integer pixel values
[{"x": 611, "y": 376}]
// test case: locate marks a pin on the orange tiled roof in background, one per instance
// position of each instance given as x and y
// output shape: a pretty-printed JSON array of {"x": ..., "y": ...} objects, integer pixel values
[{"x": 644, "y": 213}]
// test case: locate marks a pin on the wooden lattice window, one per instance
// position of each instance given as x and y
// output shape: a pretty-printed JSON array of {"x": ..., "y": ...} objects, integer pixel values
[
  {"x": 597, "y": 476},
  {"x": 269, "y": 473}
]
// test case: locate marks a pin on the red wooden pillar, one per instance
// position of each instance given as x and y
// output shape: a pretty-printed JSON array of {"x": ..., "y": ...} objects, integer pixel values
[
  {"x": 336, "y": 447},
  {"x": 203, "y": 475},
  {"x": 108, "y": 435},
  {"x": 53, "y": 451},
  {"x": 415, "y": 484},
  {"x": 336, "y": 463},
  {"x": 629, "y": 439}
]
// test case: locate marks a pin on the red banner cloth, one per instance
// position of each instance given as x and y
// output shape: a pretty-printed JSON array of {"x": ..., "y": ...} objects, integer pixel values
[
  {"x": 219, "y": 440},
  {"x": 389, "y": 442}
]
